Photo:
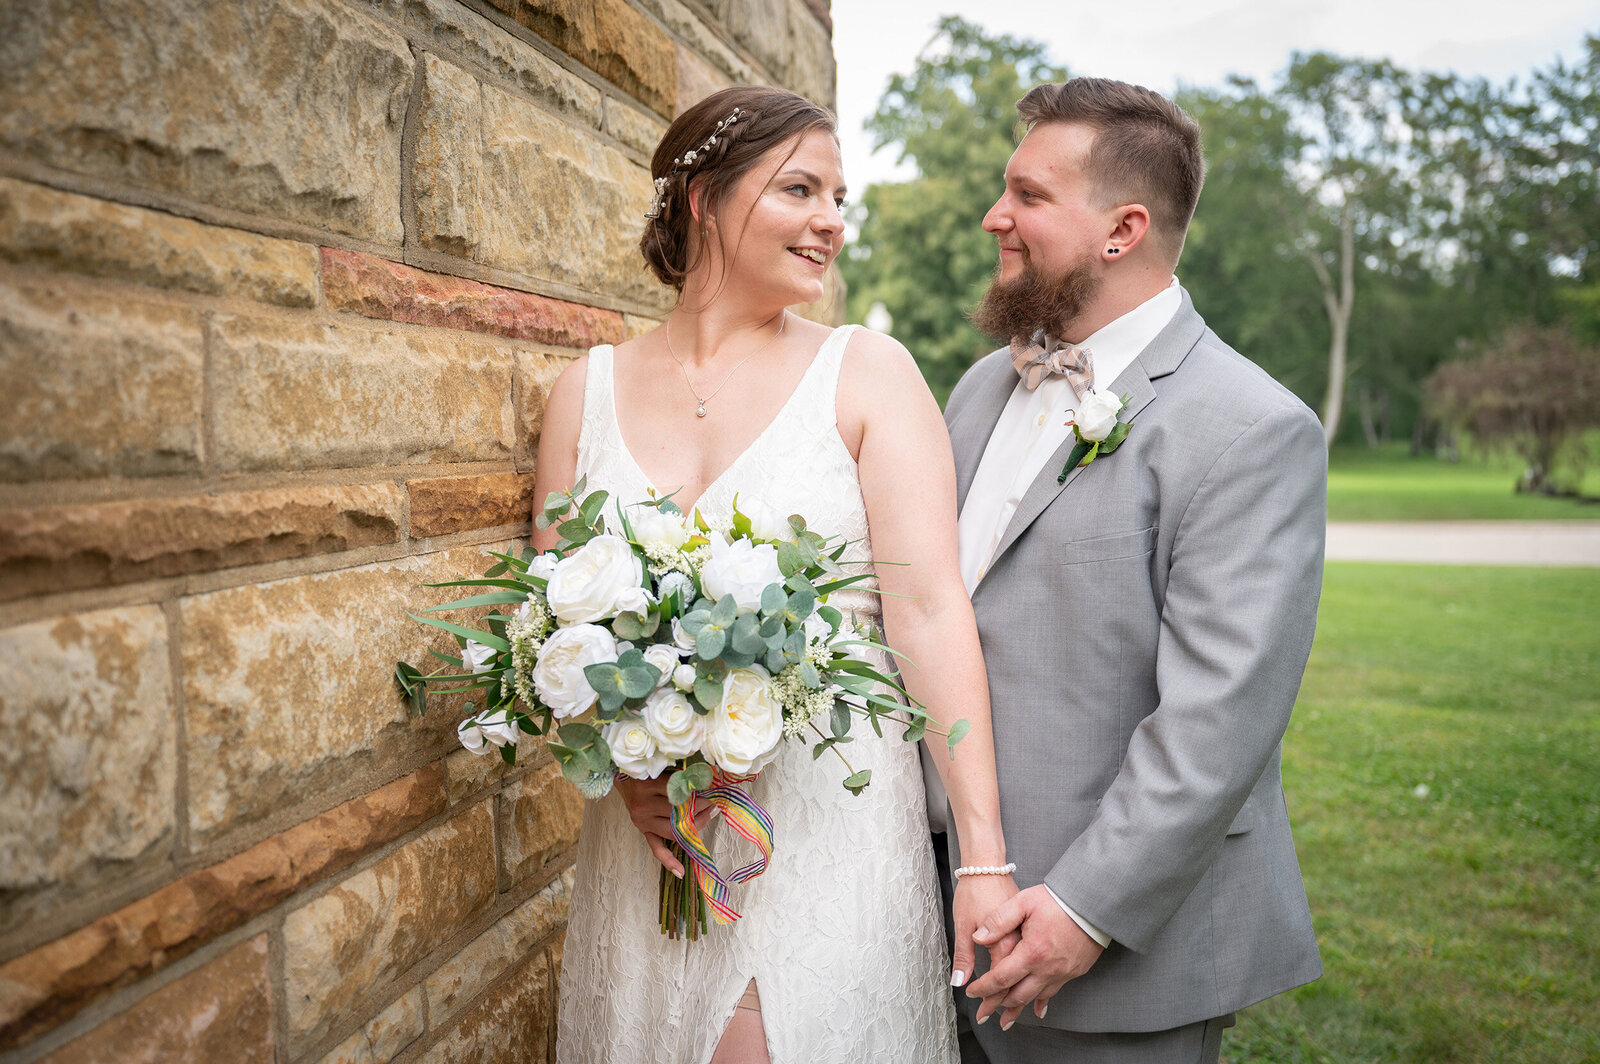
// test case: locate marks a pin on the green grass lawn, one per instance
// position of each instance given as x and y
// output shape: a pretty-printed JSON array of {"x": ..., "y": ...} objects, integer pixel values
[
  {"x": 1442, "y": 771},
  {"x": 1387, "y": 484}
]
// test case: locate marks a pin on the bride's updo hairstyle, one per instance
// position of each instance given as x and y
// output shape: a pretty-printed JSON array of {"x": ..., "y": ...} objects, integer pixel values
[{"x": 688, "y": 155}]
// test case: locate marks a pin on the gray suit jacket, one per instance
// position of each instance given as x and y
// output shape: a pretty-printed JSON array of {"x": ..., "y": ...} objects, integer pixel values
[{"x": 1145, "y": 627}]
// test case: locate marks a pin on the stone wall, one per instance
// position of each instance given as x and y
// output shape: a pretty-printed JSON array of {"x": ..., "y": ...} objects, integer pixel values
[{"x": 283, "y": 286}]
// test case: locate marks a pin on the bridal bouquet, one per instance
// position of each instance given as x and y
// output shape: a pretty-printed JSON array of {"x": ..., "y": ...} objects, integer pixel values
[{"x": 661, "y": 644}]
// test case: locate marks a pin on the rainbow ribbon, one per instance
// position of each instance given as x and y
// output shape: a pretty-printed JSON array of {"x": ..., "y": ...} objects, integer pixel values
[{"x": 740, "y": 812}]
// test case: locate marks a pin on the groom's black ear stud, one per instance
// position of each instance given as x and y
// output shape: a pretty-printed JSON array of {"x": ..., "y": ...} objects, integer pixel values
[{"x": 1113, "y": 251}]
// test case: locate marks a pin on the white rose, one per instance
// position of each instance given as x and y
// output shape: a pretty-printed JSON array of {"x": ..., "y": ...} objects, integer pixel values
[
  {"x": 558, "y": 675},
  {"x": 664, "y": 658},
  {"x": 1097, "y": 415},
  {"x": 476, "y": 656},
  {"x": 765, "y": 522},
  {"x": 677, "y": 729},
  {"x": 543, "y": 565},
  {"x": 652, "y": 528},
  {"x": 742, "y": 730},
  {"x": 499, "y": 728},
  {"x": 471, "y": 735},
  {"x": 681, "y": 637},
  {"x": 600, "y": 579},
  {"x": 683, "y": 677},
  {"x": 633, "y": 748},
  {"x": 741, "y": 569}
]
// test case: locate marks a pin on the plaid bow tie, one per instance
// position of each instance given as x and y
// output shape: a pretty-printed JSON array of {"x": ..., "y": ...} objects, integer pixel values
[{"x": 1043, "y": 355}]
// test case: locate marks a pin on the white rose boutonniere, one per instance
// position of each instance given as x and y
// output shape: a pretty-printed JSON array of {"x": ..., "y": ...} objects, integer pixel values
[
  {"x": 600, "y": 579},
  {"x": 1095, "y": 424}
]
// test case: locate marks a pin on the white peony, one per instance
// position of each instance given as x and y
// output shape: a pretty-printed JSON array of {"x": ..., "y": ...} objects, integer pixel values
[
  {"x": 664, "y": 657},
  {"x": 476, "y": 656},
  {"x": 743, "y": 730},
  {"x": 655, "y": 530},
  {"x": 633, "y": 748},
  {"x": 742, "y": 569},
  {"x": 674, "y": 725},
  {"x": 558, "y": 676},
  {"x": 1097, "y": 415},
  {"x": 600, "y": 579}
]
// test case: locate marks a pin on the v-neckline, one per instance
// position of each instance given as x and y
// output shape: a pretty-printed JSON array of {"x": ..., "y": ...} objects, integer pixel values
[{"x": 616, "y": 420}]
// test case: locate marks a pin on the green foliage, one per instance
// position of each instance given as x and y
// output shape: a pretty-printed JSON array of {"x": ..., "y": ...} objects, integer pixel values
[
  {"x": 1440, "y": 773},
  {"x": 1388, "y": 484},
  {"x": 922, "y": 251}
]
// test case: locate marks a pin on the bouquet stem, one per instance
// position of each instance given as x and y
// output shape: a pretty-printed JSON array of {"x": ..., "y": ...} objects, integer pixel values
[{"x": 683, "y": 906}]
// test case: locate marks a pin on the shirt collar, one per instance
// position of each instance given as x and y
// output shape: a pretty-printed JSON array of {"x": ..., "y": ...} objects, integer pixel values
[{"x": 1116, "y": 344}]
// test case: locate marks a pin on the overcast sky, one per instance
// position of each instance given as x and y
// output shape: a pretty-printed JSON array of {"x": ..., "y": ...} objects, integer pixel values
[{"x": 1162, "y": 43}]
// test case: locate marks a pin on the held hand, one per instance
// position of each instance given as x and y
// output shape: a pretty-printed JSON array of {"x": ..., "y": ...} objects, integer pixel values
[
  {"x": 1053, "y": 951},
  {"x": 651, "y": 813},
  {"x": 977, "y": 897}
]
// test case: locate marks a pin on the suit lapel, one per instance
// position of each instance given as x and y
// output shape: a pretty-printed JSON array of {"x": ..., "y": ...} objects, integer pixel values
[
  {"x": 1165, "y": 353},
  {"x": 971, "y": 427}
]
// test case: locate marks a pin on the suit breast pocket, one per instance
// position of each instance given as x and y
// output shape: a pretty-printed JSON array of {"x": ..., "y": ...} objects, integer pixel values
[{"x": 1108, "y": 548}]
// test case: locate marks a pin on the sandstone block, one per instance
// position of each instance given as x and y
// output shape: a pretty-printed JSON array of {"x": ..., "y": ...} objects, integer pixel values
[
  {"x": 467, "y": 773},
  {"x": 498, "y": 181},
  {"x": 451, "y": 27},
  {"x": 40, "y": 227},
  {"x": 511, "y": 1024},
  {"x": 222, "y": 1011},
  {"x": 57, "y": 548},
  {"x": 697, "y": 79},
  {"x": 442, "y": 505},
  {"x": 379, "y": 288},
  {"x": 637, "y": 324},
  {"x": 273, "y": 108},
  {"x": 536, "y": 374},
  {"x": 49, "y": 985},
  {"x": 812, "y": 71},
  {"x": 498, "y": 949},
  {"x": 761, "y": 27},
  {"x": 97, "y": 385},
  {"x": 383, "y": 1037},
  {"x": 819, "y": 11},
  {"x": 541, "y": 815},
  {"x": 696, "y": 40},
  {"x": 288, "y": 685},
  {"x": 379, "y": 922},
  {"x": 306, "y": 395},
  {"x": 635, "y": 55},
  {"x": 637, "y": 129},
  {"x": 89, "y": 757}
]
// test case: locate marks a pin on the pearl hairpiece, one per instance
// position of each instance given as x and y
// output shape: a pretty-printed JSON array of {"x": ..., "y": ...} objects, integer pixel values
[{"x": 687, "y": 159}]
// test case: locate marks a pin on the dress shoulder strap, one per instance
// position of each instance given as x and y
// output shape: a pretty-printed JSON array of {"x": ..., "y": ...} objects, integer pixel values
[{"x": 830, "y": 358}]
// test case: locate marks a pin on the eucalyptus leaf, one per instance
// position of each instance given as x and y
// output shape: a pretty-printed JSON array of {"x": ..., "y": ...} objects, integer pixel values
[
  {"x": 772, "y": 599},
  {"x": 958, "y": 731},
  {"x": 709, "y": 642},
  {"x": 858, "y": 782},
  {"x": 841, "y": 717},
  {"x": 724, "y": 612},
  {"x": 809, "y": 675},
  {"x": 791, "y": 558},
  {"x": 637, "y": 681},
  {"x": 746, "y": 635},
  {"x": 591, "y": 507},
  {"x": 707, "y": 692}
]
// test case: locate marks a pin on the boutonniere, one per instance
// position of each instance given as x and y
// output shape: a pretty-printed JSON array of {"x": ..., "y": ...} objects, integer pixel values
[{"x": 1097, "y": 428}]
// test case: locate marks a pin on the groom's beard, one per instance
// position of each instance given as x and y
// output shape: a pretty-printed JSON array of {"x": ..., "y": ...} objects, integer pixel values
[{"x": 1034, "y": 301}]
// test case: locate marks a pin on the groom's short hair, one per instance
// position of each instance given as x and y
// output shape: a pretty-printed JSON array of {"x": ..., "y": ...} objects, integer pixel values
[{"x": 1146, "y": 149}]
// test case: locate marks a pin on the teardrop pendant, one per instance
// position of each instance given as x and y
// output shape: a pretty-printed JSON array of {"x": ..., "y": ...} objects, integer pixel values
[{"x": 700, "y": 411}]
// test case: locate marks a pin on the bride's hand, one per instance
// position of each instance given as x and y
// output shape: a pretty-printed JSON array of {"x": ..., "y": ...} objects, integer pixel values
[
  {"x": 651, "y": 813},
  {"x": 977, "y": 897}
]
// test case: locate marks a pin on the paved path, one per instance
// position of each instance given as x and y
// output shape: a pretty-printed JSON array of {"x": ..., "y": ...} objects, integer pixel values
[{"x": 1466, "y": 542}]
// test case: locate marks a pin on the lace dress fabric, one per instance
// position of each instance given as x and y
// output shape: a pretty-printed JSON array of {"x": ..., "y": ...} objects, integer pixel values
[{"x": 842, "y": 933}]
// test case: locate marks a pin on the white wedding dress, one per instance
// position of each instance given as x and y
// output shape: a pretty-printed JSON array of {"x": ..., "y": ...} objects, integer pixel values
[{"x": 843, "y": 933}]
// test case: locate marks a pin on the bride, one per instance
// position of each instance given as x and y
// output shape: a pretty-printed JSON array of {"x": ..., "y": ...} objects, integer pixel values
[{"x": 839, "y": 953}]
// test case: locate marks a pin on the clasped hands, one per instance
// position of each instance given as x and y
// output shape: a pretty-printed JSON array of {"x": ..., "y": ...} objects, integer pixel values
[{"x": 1034, "y": 947}]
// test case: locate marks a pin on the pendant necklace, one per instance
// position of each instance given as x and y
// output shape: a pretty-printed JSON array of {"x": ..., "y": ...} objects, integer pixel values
[{"x": 702, "y": 400}]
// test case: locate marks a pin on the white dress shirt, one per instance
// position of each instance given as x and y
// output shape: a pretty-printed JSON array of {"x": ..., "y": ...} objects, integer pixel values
[{"x": 1031, "y": 428}]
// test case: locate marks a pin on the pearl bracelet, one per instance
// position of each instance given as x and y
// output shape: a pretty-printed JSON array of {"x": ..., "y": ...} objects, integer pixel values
[{"x": 985, "y": 870}]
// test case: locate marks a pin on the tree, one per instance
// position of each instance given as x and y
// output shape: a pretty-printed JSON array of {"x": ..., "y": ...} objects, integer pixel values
[
  {"x": 922, "y": 251},
  {"x": 1536, "y": 389}
]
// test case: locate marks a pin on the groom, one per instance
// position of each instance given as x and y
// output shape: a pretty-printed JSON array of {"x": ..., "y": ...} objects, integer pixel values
[{"x": 1145, "y": 618}]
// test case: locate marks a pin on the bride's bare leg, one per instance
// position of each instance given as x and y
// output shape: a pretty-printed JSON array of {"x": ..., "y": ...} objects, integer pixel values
[{"x": 745, "y": 1040}]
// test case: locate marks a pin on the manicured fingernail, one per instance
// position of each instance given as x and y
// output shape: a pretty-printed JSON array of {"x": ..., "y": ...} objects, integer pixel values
[
  {"x": 984, "y": 1019},
  {"x": 982, "y": 932},
  {"x": 678, "y": 872},
  {"x": 958, "y": 977},
  {"x": 1007, "y": 1025},
  {"x": 1044, "y": 1012}
]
